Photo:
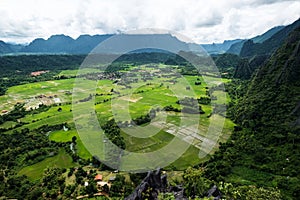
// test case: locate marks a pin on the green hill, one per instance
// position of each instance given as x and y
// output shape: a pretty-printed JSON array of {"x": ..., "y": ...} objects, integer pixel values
[{"x": 265, "y": 151}]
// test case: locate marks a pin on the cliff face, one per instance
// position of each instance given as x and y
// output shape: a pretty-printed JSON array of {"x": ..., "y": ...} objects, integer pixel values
[
  {"x": 153, "y": 184},
  {"x": 246, "y": 67}
]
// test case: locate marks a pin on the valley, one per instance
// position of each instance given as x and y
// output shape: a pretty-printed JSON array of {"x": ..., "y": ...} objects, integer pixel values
[
  {"x": 157, "y": 91},
  {"x": 151, "y": 124}
]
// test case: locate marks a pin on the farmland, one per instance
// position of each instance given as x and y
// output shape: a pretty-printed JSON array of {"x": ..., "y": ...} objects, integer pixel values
[
  {"x": 155, "y": 87},
  {"x": 35, "y": 172}
]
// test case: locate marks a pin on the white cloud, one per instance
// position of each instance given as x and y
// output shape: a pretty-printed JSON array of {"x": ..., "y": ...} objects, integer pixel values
[{"x": 202, "y": 21}]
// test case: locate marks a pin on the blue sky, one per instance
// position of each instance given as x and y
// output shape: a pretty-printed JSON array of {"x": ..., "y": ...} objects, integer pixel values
[{"x": 200, "y": 20}]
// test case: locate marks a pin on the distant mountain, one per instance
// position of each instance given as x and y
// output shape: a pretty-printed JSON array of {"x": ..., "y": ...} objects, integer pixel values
[
  {"x": 237, "y": 47},
  {"x": 219, "y": 48},
  {"x": 65, "y": 44},
  {"x": 55, "y": 44},
  {"x": 5, "y": 48},
  {"x": 250, "y": 48},
  {"x": 84, "y": 44},
  {"x": 267, "y": 35},
  {"x": 62, "y": 44}
]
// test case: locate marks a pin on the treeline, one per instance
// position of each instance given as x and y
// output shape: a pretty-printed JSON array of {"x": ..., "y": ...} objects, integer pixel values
[
  {"x": 197, "y": 186},
  {"x": 16, "y": 70}
]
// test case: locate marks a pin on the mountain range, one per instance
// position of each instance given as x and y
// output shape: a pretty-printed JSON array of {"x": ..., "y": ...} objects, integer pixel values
[
  {"x": 84, "y": 44},
  {"x": 237, "y": 47}
]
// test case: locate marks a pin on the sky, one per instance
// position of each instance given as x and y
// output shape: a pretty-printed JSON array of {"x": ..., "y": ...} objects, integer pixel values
[{"x": 202, "y": 21}]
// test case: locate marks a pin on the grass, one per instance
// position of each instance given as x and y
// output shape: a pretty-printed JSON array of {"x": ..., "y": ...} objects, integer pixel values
[
  {"x": 35, "y": 172},
  {"x": 222, "y": 97},
  {"x": 69, "y": 73},
  {"x": 135, "y": 144},
  {"x": 66, "y": 136},
  {"x": 8, "y": 124}
]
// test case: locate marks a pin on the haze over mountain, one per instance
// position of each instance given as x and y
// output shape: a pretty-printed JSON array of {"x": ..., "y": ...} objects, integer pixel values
[
  {"x": 237, "y": 47},
  {"x": 65, "y": 44},
  {"x": 255, "y": 54},
  {"x": 84, "y": 44},
  {"x": 218, "y": 48}
]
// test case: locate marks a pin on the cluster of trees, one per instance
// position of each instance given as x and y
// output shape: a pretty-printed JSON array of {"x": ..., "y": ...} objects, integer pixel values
[
  {"x": 171, "y": 108},
  {"x": 197, "y": 186},
  {"x": 17, "y": 150},
  {"x": 204, "y": 100},
  {"x": 113, "y": 133},
  {"x": 17, "y": 113}
]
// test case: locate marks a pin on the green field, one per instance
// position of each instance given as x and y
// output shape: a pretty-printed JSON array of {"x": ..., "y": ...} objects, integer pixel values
[
  {"x": 124, "y": 103},
  {"x": 66, "y": 136},
  {"x": 35, "y": 172},
  {"x": 69, "y": 73}
]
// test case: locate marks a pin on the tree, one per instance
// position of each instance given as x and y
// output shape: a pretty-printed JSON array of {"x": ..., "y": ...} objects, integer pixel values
[
  {"x": 105, "y": 188},
  {"x": 74, "y": 138},
  {"x": 195, "y": 183},
  {"x": 91, "y": 189}
]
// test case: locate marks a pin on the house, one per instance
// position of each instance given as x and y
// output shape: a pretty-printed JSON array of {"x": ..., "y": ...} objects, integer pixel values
[
  {"x": 38, "y": 73},
  {"x": 98, "y": 177}
]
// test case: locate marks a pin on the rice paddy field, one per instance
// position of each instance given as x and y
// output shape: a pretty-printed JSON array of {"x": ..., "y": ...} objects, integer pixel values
[{"x": 154, "y": 87}]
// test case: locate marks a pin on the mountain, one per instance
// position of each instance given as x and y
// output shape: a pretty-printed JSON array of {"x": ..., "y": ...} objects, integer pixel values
[
  {"x": 265, "y": 149},
  {"x": 62, "y": 44},
  {"x": 219, "y": 48},
  {"x": 84, "y": 44},
  {"x": 246, "y": 67},
  {"x": 65, "y": 44},
  {"x": 237, "y": 47},
  {"x": 250, "y": 48},
  {"x": 55, "y": 44},
  {"x": 227, "y": 63},
  {"x": 267, "y": 35},
  {"x": 5, "y": 48},
  {"x": 255, "y": 54}
]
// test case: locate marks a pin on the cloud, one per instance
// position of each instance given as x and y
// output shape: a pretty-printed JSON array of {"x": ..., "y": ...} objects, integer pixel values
[
  {"x": 266, "y": 2},
  {"x": 202, "y": 21}
]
